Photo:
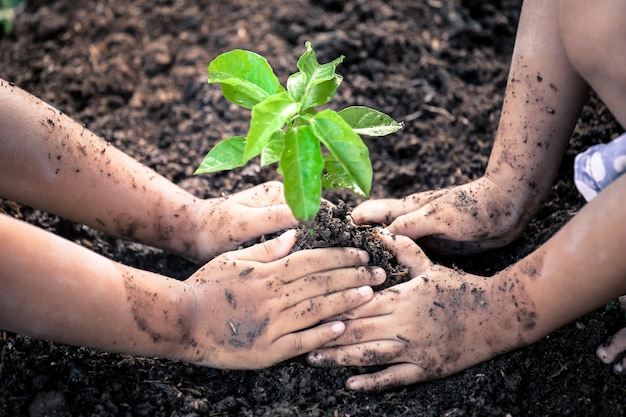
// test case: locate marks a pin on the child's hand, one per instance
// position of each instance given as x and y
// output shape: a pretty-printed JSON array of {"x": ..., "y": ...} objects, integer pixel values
[
  {"x": 224, "y": 223},
  {"x": 441, "y": 322},
  {"x": 256, "y": 306},
  {"x": 459, "y": 220}
]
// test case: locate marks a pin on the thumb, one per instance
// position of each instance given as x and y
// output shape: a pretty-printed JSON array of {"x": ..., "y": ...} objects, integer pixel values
[
  {"x": 385, "y": 211},
  {"x": 406, "y": 251},
  {"x": 268, "y": 251},
  {"x": 425, "y": 221},
  {"x": 277, "y": 217},
  {"x": 268, "y": 193},
  {"x": 374, "y": 211}
]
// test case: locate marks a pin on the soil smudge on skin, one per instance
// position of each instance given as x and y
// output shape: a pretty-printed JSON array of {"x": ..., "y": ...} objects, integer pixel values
[
  {"x": 245, "y": 331},
  {"x": 163, "y": 326}
]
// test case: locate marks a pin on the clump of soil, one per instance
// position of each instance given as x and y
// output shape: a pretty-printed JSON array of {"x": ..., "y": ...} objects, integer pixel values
[{"x": 333, "y": 227}]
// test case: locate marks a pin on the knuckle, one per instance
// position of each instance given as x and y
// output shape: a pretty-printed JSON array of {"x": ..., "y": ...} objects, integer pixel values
[
  {"x": 297, "y": 344},
  {"x": 368, "y": 275},
  {"x": 311, "y": 308},
  {"x": 322, "y": 281},
  {"x": 355, "y": 333}
]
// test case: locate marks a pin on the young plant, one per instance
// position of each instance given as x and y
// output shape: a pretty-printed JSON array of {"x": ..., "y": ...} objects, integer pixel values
[{"x": 315, "y": 150}]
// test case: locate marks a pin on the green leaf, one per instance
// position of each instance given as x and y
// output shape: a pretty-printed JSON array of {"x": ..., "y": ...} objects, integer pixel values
[
  {"x": 315, "y": 84},
  {"x": 369, "y": 122},
  {"x": 335, "y": 176},
  {"x": 301, "y": 165},
  {"x": 268, "y": 116},
  {"x": 227, "y": 154},
  {"x": 246, "y": 78},
  {"x": 347, "y": 148},
  {"x": 296, "y": 83},
  {"x": 274, "y": 148}
]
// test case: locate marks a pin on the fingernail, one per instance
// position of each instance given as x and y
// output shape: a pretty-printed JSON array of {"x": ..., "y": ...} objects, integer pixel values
[
  {"x": 364, "y": 256},
  {"x": 365, "y": 291},
  {"x": 288, "y": 235},
  {"x": 618, "y": 368},
  {"x": 379, "y": 275},
  {"x": 354, "y": 385},
  {"x": 313, "y": 358},
  {"x": 338, "y": 328}
]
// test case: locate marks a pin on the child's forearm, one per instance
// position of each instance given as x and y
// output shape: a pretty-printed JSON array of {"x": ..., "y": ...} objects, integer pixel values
[
  {"x": 579, "y": 269},
  {"x": 49, "y": 161},
  {"x": 543, "y": 100},
  {"x": 53, "y": 289}
]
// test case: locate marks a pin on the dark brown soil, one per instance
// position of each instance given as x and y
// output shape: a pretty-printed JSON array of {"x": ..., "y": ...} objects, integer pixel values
[
  {"x": 135, "y": 73},
  {"x": 333, "y": 227}
]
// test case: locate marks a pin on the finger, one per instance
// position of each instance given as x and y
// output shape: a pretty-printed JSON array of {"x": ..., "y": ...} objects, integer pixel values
[
  {"x": 261, "y": 195},
  {"x": 428, "y": 220},
  {"x": 406, "y": 252},
  {"x": 363, "y": 354},
  {"x": 295, "y": 344},
  {"x": 267, "y": 251},
  {"x": 315, "y": 310},
  {"x": 269, "y": 219},
  {"x": 381, "y": 305},
  {"x": 387, "y": 379},
  {"x": 374, "y": 328},
  {"x": 315, "y": 261},
  {"x": 267, "y": 211},
  {"x": 615, "y": 346},
  {"x": 311, "y": 312},
  {"x": 378, "y": 211},
  {"x": 328, "y": 282},
  {"x": 384, "y": 211}
]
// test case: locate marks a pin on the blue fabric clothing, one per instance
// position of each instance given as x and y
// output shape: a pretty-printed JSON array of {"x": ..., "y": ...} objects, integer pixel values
[{"x": 599, "y": 166}]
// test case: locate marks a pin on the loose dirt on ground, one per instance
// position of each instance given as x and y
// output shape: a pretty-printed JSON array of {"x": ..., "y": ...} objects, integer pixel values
[{"x": 135, "y": 73}]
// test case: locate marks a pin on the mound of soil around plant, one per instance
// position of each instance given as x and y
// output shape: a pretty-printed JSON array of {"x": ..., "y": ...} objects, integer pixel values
[
  {"x": 333, "y": 227},
  {"x": 135, "y": 73}
]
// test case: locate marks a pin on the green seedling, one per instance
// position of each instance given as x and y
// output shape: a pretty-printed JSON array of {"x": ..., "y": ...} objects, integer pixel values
[{"x": 314, "y": 149}]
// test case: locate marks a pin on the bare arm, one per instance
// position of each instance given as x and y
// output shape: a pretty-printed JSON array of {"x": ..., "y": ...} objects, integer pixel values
[
  {"x": 50, "y": 162},
  {"x": 246, "y": 309},
  {"x": 53, "y": 289},
  {"x": 543, "y": 99},
  {"x": 579, "y": 269}
]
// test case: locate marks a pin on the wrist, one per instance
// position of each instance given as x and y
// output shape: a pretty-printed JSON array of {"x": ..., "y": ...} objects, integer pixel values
[
  {"x": 513, "y": 311},
  {"x": 510, "y": 209},
  {"x": 157, "y": 318},
  {"x": 200, "y": 236},
  {"x": 181, "y": 227},
  {"x": 184, "y": 345}
]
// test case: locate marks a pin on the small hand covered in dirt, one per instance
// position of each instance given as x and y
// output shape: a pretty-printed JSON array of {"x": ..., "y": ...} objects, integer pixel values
[
  {"x": 250, "y": 214},
  {"x": 459, "y": 220},
  {"x": 434, "y": 325},
  {"x": 256, "y": 306}
]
